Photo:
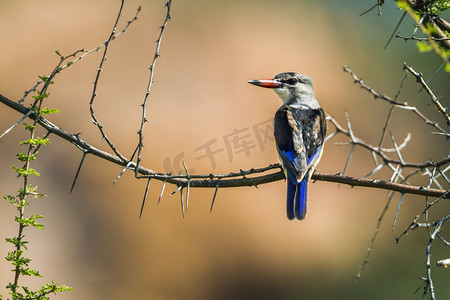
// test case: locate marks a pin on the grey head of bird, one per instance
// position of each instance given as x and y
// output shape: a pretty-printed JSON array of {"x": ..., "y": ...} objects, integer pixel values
[{"x": 292, "y": 88}]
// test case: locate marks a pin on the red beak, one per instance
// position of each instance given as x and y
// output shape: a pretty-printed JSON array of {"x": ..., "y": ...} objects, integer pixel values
[{"x": 267, "y": 83}]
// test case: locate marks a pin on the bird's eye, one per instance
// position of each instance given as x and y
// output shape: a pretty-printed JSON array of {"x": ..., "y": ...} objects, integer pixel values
[{"x": 292, "y": 81}]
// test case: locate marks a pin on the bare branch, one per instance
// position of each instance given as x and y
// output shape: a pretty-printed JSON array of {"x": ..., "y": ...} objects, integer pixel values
[
  {"x": 406, "y": 38},
  {"x": 380, "y": 152},
  {"x": 97, "y": 49},
  {"x": 429, "y": 282},
  {"x": 94, "y": 90},
  {"x": 414, "y": 224},
  {"x": 379, "y": 3},
  {"x": 402, "y": 105},
  {"x": 149, "y": 86},
  {"x": 434, "y": 100}
]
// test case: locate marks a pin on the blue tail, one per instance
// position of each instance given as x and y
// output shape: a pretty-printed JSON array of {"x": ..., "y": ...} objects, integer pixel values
[
  {"x": 291, "y": 188},
  {"x": 296, "y": 198},
  {"x": 300, "y": 199}
]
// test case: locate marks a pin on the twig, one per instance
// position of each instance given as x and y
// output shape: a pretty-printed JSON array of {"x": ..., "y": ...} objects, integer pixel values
[
  {"x": 402, "y": 105},
  {"x": 32, "y": 90},
  {"x": 97, "y": 49},
  {"x": 149, "y": 86},
  {"x": 429, "y": 282},
  {"x": 434, "y": 100},
  {"x": 379, "y": 3},
  {"x": 94, "y": 90},
  {"x": 414, "y": 224},
  {"x": 377, "y": 227},
  {"x": 406, "y": 38},
  {"x": 380, "y": 152},
  {"x": 390, "y": 113}
]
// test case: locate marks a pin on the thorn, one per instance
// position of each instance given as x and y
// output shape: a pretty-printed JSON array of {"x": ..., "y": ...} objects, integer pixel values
[
  {"x": 145, "y": 197},
  {"x": 15, "y": 124},
  {"x": 182, "y": 203},
  {"x": 78, "y": 171},
  {"x": 188, "y": 184},
  {"x": 214, "y": 197},
  {"x": 123, "y": 171},
  {"x": 162, "y": 191},
  {"x": 398, "y": 209},
  {"x": 187, "y": 195},
  {"x": 179, "y": 188}
]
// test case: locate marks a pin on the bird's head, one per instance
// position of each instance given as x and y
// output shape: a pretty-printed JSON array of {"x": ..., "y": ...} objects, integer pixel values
[{"x": 287, "y": 85}]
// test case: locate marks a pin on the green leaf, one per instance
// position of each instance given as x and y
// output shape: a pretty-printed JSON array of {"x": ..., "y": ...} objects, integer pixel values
[
  {"x": 23, "y": 157},
  {"x": 31, "y": 221},
  {"x": 43, "y": 78},
  {"x": 40, "y": 96},
  {"x": 35, "y": 141},
  {"x": 439, "y": 6},
  {"x": 54, "y": 287},
  {"x": 29, "y": 127},
  {"x": 10, "y": 199},
  {"x": 423, "y": 46},
  {"x": 15, "y": 241},
  {"x": 29, "y": 272},
  {"x": 47, "y": 110},
  {"x": 447, "y": 67},
  {"x": 16, "y": 258},
  {"x": 23, "y": 173}
]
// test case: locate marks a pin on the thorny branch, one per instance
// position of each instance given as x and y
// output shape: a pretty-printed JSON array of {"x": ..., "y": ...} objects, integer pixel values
[
  {"x": 429, "y": 286},
  {"x": 401, "y": 105},
  {"x": 87, "y": 52},
  {"x": 434, "y": 99},
  {"x": 377, "y": 229},
  {"x": 149, "y": 86},
  {"x": 232, "y": 179},
  {"x": 81, "y": 57},
  {"x": 94, "y": 91},
  {"x": 406, "y": 38}
]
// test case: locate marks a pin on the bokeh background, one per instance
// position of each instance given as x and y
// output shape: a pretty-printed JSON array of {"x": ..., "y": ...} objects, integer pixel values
[{"x": 246, "y": 248}]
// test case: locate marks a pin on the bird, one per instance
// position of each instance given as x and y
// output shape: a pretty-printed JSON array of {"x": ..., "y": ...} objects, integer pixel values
[{"x": 299, "y": 128}]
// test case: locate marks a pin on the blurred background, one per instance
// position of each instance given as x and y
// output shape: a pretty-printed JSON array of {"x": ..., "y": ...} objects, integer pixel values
[{"x": 245, "y": 248}]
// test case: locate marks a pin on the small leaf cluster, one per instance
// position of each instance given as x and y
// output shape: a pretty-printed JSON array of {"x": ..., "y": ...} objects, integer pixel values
[
  {"x": 438, "y": 6},
  {"x": 42, "y": 293}
]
